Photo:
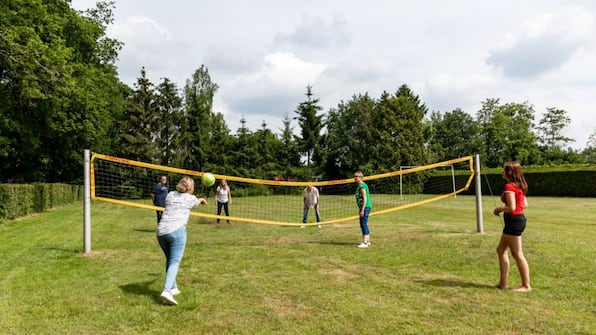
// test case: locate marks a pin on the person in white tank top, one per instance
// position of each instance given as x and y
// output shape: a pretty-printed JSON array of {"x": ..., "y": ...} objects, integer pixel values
[{"x": 224, "y": 198}]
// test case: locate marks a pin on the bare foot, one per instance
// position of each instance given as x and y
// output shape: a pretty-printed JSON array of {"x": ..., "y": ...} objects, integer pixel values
[
  {"x": 500, "y": 287},
  {"x": 522, "y": 289}
]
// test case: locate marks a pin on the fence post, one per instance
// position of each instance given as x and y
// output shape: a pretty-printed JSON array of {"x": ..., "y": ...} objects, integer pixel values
[
  {"x": 479, "y": 219},
  {"x": 87, "y": 203}
]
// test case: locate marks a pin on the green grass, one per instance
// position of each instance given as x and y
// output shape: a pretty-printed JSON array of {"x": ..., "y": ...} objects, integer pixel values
[{"x": 427, "y": 272}]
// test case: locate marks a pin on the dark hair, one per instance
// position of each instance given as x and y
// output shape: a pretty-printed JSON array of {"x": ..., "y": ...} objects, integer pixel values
[{"x": 514, "y": 174}]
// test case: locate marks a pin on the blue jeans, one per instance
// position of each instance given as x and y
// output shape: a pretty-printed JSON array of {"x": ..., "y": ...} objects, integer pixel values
[
  {"x": 305, "y": 215},
  {"x": 364, "y": 222},
  {"x": 172, "y": 245}
]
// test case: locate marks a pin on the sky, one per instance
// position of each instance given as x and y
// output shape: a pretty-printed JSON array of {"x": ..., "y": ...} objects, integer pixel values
[{"x": 453, "y": 54}]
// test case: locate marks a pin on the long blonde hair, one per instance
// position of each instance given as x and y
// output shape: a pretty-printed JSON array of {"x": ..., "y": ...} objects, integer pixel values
[{"x": 185, "y": 185}]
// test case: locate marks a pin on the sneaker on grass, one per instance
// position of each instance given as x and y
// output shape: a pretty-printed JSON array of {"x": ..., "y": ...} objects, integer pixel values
[{"x": 168, "y": 298}]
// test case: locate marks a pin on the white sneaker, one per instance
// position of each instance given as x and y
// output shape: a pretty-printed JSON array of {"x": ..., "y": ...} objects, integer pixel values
[
  {"x": 319, "y": 226},
  {"x": 168, "y": 298},
  {"x": 363, "y": 245},
  {"x": 175, "y": 291}
]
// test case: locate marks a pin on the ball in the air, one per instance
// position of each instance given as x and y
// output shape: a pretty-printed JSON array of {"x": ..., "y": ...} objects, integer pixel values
[{"x": 208, "y": 179}]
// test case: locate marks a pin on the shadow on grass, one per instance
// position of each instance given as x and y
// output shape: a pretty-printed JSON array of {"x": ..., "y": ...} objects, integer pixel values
[
  {"x": 352, "y": 244},
  {"x": 143, "y": 288},
  {"x": 145, "y": 230},
  {"x": 453, "y": 283}
]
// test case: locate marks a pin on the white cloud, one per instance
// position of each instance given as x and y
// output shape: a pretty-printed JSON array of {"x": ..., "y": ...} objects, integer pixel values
[
  {"x": 543, "y": 43},
  {"x": 276, "y": 87},
  {"x": 446, "y": 92},
  {"x": 314, "y": 32},
  {"x": 453, "y": 55},
  {"x": 149, "y": 44}
]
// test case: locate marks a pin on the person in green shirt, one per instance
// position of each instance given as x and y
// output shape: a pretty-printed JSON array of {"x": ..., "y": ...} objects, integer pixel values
[{"x": 364, "y": 205}]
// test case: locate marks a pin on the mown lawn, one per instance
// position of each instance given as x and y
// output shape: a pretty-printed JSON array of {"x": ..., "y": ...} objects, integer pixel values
[{"x": 427, "y": 272}]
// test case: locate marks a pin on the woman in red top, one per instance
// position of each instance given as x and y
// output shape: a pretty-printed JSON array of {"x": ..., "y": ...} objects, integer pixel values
[{"x": 514, "y": 198}]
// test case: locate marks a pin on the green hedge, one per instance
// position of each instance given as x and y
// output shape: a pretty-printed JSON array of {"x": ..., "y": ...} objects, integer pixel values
[
  {"x": 551, "y": 184},
  {"x": 18, "y": 200}
]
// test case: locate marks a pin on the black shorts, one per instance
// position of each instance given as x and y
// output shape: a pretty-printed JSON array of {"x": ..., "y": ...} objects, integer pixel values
[{"x": 514, "y": 224}]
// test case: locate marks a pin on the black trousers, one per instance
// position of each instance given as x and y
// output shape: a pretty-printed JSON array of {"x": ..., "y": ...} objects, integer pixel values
[{"x": 225, "y": 207}]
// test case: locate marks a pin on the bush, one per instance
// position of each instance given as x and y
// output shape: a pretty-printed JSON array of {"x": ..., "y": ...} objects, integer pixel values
[
  {"x": 543, "y": 183},
  {"x": 18, "y": 200}
]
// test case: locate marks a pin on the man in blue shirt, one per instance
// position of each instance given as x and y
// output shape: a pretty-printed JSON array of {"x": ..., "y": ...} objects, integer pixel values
[{"x": 158, "y": 195}]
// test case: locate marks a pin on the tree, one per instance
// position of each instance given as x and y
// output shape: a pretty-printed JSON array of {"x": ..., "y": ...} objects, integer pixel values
[
  {"x": 550, "y": 127},
  {"x": 138, "y": 131},
  {"x": 589, "y": 151},
  {"x": 287, "y": 154},
  {"x": 194, "y": 142},
  {"x": 454, "y": 134},
  {"x": 349, "y": 133},
  {"x": 168, "y": 106},
  {"x": 507, "y": 132},
  {"x": 245, "y": 150},
  {"x": 59, "y": 90},
  {"x": 310, "y": 126},
  {"x": 265, "y": 142},
  {"x": 220, "y": 146},
  {"x": 398, "y": 131},
  {"x": 551, "y": 139}
]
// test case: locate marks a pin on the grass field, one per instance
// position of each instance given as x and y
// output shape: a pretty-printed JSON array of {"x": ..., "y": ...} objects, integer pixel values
[{"x": 427, "y": 272}]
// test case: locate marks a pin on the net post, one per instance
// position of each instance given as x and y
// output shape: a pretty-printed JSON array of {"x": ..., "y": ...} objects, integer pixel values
[
  {"x": 479, "y": 220},
  {"x": 87, "y": 203}
]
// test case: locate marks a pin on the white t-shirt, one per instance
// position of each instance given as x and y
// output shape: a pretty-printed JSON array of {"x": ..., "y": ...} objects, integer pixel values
[
  {"x": 311, "y": 197},
  {"x": 222, "y": 193},
  {"x": 177, "y": 211}
]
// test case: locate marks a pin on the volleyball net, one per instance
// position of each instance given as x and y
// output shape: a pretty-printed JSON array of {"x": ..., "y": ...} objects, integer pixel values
[{"x": 280, "y": 202}]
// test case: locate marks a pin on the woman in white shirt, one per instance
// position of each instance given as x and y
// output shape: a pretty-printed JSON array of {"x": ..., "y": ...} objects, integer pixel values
[
  {"x": 171, "y": 232},
  {"x": 224, "y": 197}
]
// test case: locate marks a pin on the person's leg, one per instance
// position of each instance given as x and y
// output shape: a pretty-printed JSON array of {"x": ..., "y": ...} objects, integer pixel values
[
  {"x": 503, "y": 261},
  {"x": 365, "y": 229},
  {"x": 318, "y": 215},
  {"x": 227, "y": 209},
  {"x": 305, "y": 214},
  {"x": 219, "y": 206},
  {"x": 158, "y": 214},
  {"x": 522, "y": 264},
  {"x": 164, "y": 244},
  {"x": 178, "y": 242}
]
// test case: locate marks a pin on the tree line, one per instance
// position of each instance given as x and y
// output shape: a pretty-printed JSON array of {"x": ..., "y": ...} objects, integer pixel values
[{"x": 60, "y": 93}]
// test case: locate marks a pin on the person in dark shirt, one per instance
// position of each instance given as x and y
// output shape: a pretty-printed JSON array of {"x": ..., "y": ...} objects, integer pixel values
[{"x": 159, "y": 194}]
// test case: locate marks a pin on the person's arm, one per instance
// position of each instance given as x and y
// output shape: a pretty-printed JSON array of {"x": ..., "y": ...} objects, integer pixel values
[
  {"x": 509, "y": 205},
  {"x": 363, "y": 195},
  {"x": 229, "y": 195},
  {"x": 202, "y": 201},
  {"x": 153, "y": 198}
]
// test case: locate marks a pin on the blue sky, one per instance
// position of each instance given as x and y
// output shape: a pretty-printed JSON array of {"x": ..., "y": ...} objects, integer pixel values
[{"x": 454, "y": 54}]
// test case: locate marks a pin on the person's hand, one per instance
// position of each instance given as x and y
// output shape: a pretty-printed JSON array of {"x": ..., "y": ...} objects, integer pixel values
[
  {"x": 202, "y": 201},
  {"x": 497, "y": 211}
]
